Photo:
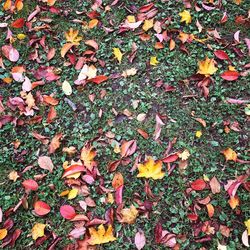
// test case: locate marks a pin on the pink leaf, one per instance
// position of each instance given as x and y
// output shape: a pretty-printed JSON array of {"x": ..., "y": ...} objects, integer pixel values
[
  {"x": 30, "y": 184},
  {"x": 67, "y": 212},
  {"x": 77, "y": 232},
  {"x": 26, "y": 85},
  {"x": 140, "y": 240},
  {"x": 10, "y": 53},
  {"x": 118, "y": 195},
  {"x": 237, "y": 36},
  {"x": 45, "y": 162}
]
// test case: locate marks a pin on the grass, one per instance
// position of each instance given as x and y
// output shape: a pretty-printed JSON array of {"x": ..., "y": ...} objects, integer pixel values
[{"x": 83, "y": 125}]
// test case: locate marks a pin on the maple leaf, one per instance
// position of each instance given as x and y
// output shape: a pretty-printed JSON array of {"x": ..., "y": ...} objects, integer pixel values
[
  {"x": 72, "y": 36},
  {"x": 38, "y": 230},
  {"x": 129, "y": 215},
  {"x": 185, "y": 16},
  {"x": 101, "y": 235},
  {"x": 151, "y": 169},
  {"x": 207, "y": 67},
  {"x": 118, "y": 54},
  {"x": 184, "y": 155},
  {"x": 247, "y": 224},
  {"x": 87, "y": 156},
  {"x": 229, "y": 154}
]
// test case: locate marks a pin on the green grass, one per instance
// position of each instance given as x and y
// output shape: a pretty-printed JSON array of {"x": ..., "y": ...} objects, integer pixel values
[{"x": 84, "y": 125}]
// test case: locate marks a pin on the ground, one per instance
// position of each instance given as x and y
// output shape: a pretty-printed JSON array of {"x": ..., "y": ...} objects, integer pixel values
[{"x": 107, "y": 115}]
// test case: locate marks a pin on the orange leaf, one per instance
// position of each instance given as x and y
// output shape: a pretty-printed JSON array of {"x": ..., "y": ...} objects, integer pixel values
[
  {"x": 93, "y": 23},
  {"x": 234, "y": 201},
  {"x": 55, "y": 143},
  {"x": 143, "y": 133},
  {"x": 117, "y": 180},
  {"x": 3, "y": 233},
  {"x": 50, "y": 100},
  {"x": 210, "y": 210},
  {"x": 98, "y": 79},
  {"x": 7, "y": 5},
  {"x": 229, "y": 154},
  {"x": 159, "y": 45},
  {"x": 51, "y": 114},
  {"x": 128, "y": 148},
  {"x": 171, "y": 44},
  {"x": 66, "y": 47},
  {"x": 87, "y": 156},
  {"x": 41, "y": 208}
]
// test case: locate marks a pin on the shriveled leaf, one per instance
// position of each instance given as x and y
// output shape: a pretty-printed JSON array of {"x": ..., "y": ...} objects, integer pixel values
[
  {"x": 77, "y": 232},
  {"x": 55, "y": 143},
  {"x": 66, "y": 47},
  {"x": 215, "y": 185}
]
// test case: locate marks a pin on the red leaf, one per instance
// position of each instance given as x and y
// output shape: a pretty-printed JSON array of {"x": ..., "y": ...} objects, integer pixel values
[
  {"x": 192, "y": 217},
  {"x": 118, "y": 195},
  {"x": 170, "y": 158},
  {"x": 230, "y": 75},
  {"x": 30, "y": 184},
  {"x": 146, "y": 8},
  {"x": 98, "y": 79},
  {"x": 73, "y": 169},
  {"x": 221, "y": 55},
  {"x": 67, "y": 212},
  {"x": 18, "y": 23},
  {"x": 15, "y": 236},
  {"x": 198, "y": 185},
  {"x": 41, "y": 208}
]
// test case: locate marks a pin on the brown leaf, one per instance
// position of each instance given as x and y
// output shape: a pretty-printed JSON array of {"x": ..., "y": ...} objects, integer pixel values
[
  {"x": 215, "y": 185},
  {"x": 55, "y": 143}
]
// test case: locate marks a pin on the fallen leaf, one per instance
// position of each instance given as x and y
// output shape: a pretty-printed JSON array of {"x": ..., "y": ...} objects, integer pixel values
[
  {"x": 215, "y": 185},
  {"x": 77, "y": 232},
  {"x": 118, "y": 54},
  {"x": 140, "y": 240},
  {"x": 207, "y": 67},
  {"x": 3, "y": 233},
  {"x": 30, "y": 184},
  {"x": 101, "y": 235},
  {"x": 245, "y": 238},
  {"x": 55, "y": 143},
  {"x": 72, "y": 193},
  {"x": 185, "y": 16},
  {"x": 67, "y": 212},
  {"x": 38, "y": 231},
  {"x": 129, "y": 215},
  {"x": 41, "y": 208},
  {"x": 66, "y": 87},
  {"x": 229, "y": 154},
  {"x": 19, "y": 23},
  {"x": 151, "y": 169},
  {"x": 198, "y": 185},
  {"x": 129, "y": 72},
  {"x": 45, "y": 162},
  {"x": 230, "y": 75},
  {"x": 117, "y": 180},
  {"x": 153, "y": 61},
  {"x": 87, "y": 156},
  {"x": 13, "y": 176},
  {"x": 210, "y": 210},
  {"x": 148, "y": 24}
]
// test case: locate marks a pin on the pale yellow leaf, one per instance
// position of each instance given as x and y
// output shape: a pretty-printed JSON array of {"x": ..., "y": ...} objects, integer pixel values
[
  {"x": 38, "y": 230},
  {"x": 66, "y": 87},
  {"x": 148, "y": 24}
]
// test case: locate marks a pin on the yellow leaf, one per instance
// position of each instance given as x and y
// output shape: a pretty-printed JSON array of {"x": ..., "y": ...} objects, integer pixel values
[
  {"x": 207, "y": 67},
  {"x": 118, "y": 54},
  {"x": 238, "y": 2},
  {"x": 131, "y": 19},
  {"x": 38, "y": 230},
  {"x": 21, "y": 36},
  {"x": 66, "y": 87},
  {"x": 110, "y": 198},
  {"x": 148, "y": 24},
  {"x": 101, "y": 236},
  {"x": 247, "y": 224},
  {"x": 184, "y": 155},
  {"x": 7, "y": 5},
  {"x": 151, "y": 169},
  {"x": 231, "y": 68},
  {"x": 13, "y": 176},
  {"x": 229, "y": 154},
  {"x": 129, "y": 72},
  {"x": 234, "y": 202},
  {"x": 87, "y": 156},
  {"x": 198, "y": 134},
  {"x": 185, "y": 16},
  {"x": 72, "y": 193},
  {"x": 3, "y": 233},
  {"x": 129, "y": 215},
  {"x": 153, "y": 61},
  {"x": 72, "y": 37}
]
